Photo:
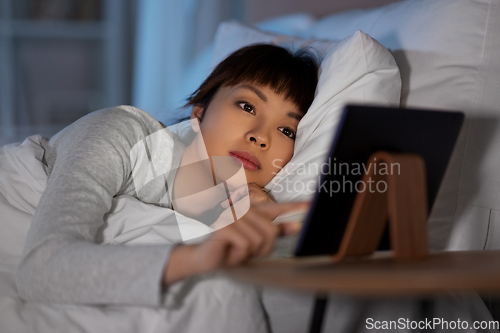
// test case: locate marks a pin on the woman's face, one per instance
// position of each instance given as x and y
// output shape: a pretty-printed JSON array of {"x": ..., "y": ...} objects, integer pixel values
[{"x": 252, "y": 124}]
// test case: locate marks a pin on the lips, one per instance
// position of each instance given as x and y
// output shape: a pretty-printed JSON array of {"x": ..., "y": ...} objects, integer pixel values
[{"x": 250, "y": 162}]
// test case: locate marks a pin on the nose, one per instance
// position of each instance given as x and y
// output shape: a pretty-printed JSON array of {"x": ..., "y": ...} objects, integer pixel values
[{"x": 258, "y": 138}]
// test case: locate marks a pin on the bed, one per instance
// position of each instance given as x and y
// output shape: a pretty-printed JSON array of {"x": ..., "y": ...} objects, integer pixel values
[{"x": 438, "y": 54}]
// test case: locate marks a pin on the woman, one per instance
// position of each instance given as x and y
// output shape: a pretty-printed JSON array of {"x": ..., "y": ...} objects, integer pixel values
[{"x": 248, "y": 110}]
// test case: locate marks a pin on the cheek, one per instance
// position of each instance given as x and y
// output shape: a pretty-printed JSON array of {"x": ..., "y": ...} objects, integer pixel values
[
  {"x": 213, "y": 136},
  {"x": 282, "y": 156}
]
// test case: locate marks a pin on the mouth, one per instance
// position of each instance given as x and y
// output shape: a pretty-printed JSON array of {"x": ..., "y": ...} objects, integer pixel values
[{"x": 250, "y": 162}]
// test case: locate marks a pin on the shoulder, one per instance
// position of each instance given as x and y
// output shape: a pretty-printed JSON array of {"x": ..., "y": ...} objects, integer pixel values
[
  {"x": 122, "y": 124},
  {"x": 133, "y": 113},
  {"x": 107, "y": 132},
  {"x": 121, "y": 118}
]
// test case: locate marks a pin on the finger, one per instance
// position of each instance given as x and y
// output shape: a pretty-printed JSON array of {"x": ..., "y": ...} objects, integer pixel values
[
  {"x": 238, "y": 246},
  {"x": 254, "y": 235},
  {"x": 226, "y": 203},
  {"x": 289, "y": 228},
  {"x": 267, "y": 230},
  {"x": 254, "y": 185},
  {"x": 241, "y": 191},
  {"x": 258, "y": 195},
  {"x": 235, "y": 196},
  {"x": 283, "y": 229}
]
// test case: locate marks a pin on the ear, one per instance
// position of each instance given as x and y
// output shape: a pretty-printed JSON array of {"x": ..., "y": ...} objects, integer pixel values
[{"x": 196, "y": 117}]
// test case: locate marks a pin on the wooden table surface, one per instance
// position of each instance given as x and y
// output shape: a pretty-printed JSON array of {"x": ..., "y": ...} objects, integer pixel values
[{"x": 378, "y": 275}]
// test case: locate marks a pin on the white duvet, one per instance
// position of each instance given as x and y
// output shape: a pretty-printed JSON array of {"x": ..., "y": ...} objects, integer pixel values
[
  {"x": 211, "y": 303},
  {"x": 202, "y": 304}
]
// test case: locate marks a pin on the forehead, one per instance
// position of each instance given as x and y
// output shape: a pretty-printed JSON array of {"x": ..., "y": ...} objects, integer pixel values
[{"x": 265, "y": 95}]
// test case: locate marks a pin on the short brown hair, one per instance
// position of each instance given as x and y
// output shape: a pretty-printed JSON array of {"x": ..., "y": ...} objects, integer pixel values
[{"x": 295, "y": 75}]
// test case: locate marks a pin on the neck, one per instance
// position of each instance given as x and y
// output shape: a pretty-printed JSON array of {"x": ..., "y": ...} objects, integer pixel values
[{"x": 193, "y": 192}]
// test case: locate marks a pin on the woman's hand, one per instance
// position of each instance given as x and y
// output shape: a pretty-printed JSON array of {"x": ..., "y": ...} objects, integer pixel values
[
  {"x": 257, "y": 194},
  {"x": 251, "y": 236}
]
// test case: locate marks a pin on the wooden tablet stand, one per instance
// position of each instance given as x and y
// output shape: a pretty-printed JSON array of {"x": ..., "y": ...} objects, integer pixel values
[{"x": 403, "y": 203}]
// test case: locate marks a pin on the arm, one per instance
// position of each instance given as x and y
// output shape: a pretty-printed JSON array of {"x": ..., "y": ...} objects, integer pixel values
[{"x": 89, "y": 163}]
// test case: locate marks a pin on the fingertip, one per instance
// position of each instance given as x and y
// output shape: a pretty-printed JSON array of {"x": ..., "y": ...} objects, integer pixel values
[
  {"x": 305, "y": 203},
  {"x": 291, "y": 228}
]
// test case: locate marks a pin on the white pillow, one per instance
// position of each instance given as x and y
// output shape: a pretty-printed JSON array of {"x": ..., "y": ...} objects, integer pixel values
[
  {"x": 233, "y": 35},
  {"x": 447, "y": 51},
  {"x": 357, "y": 69}
]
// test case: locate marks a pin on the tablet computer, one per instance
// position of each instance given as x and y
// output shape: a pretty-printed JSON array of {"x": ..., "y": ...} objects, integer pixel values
[{"x": 362, "y": 131}]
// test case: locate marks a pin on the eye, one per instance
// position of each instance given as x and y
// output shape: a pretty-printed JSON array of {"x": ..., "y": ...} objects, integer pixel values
[
  {"x": 246, "y": 107},
  {"x": 288, "y": 132}
]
